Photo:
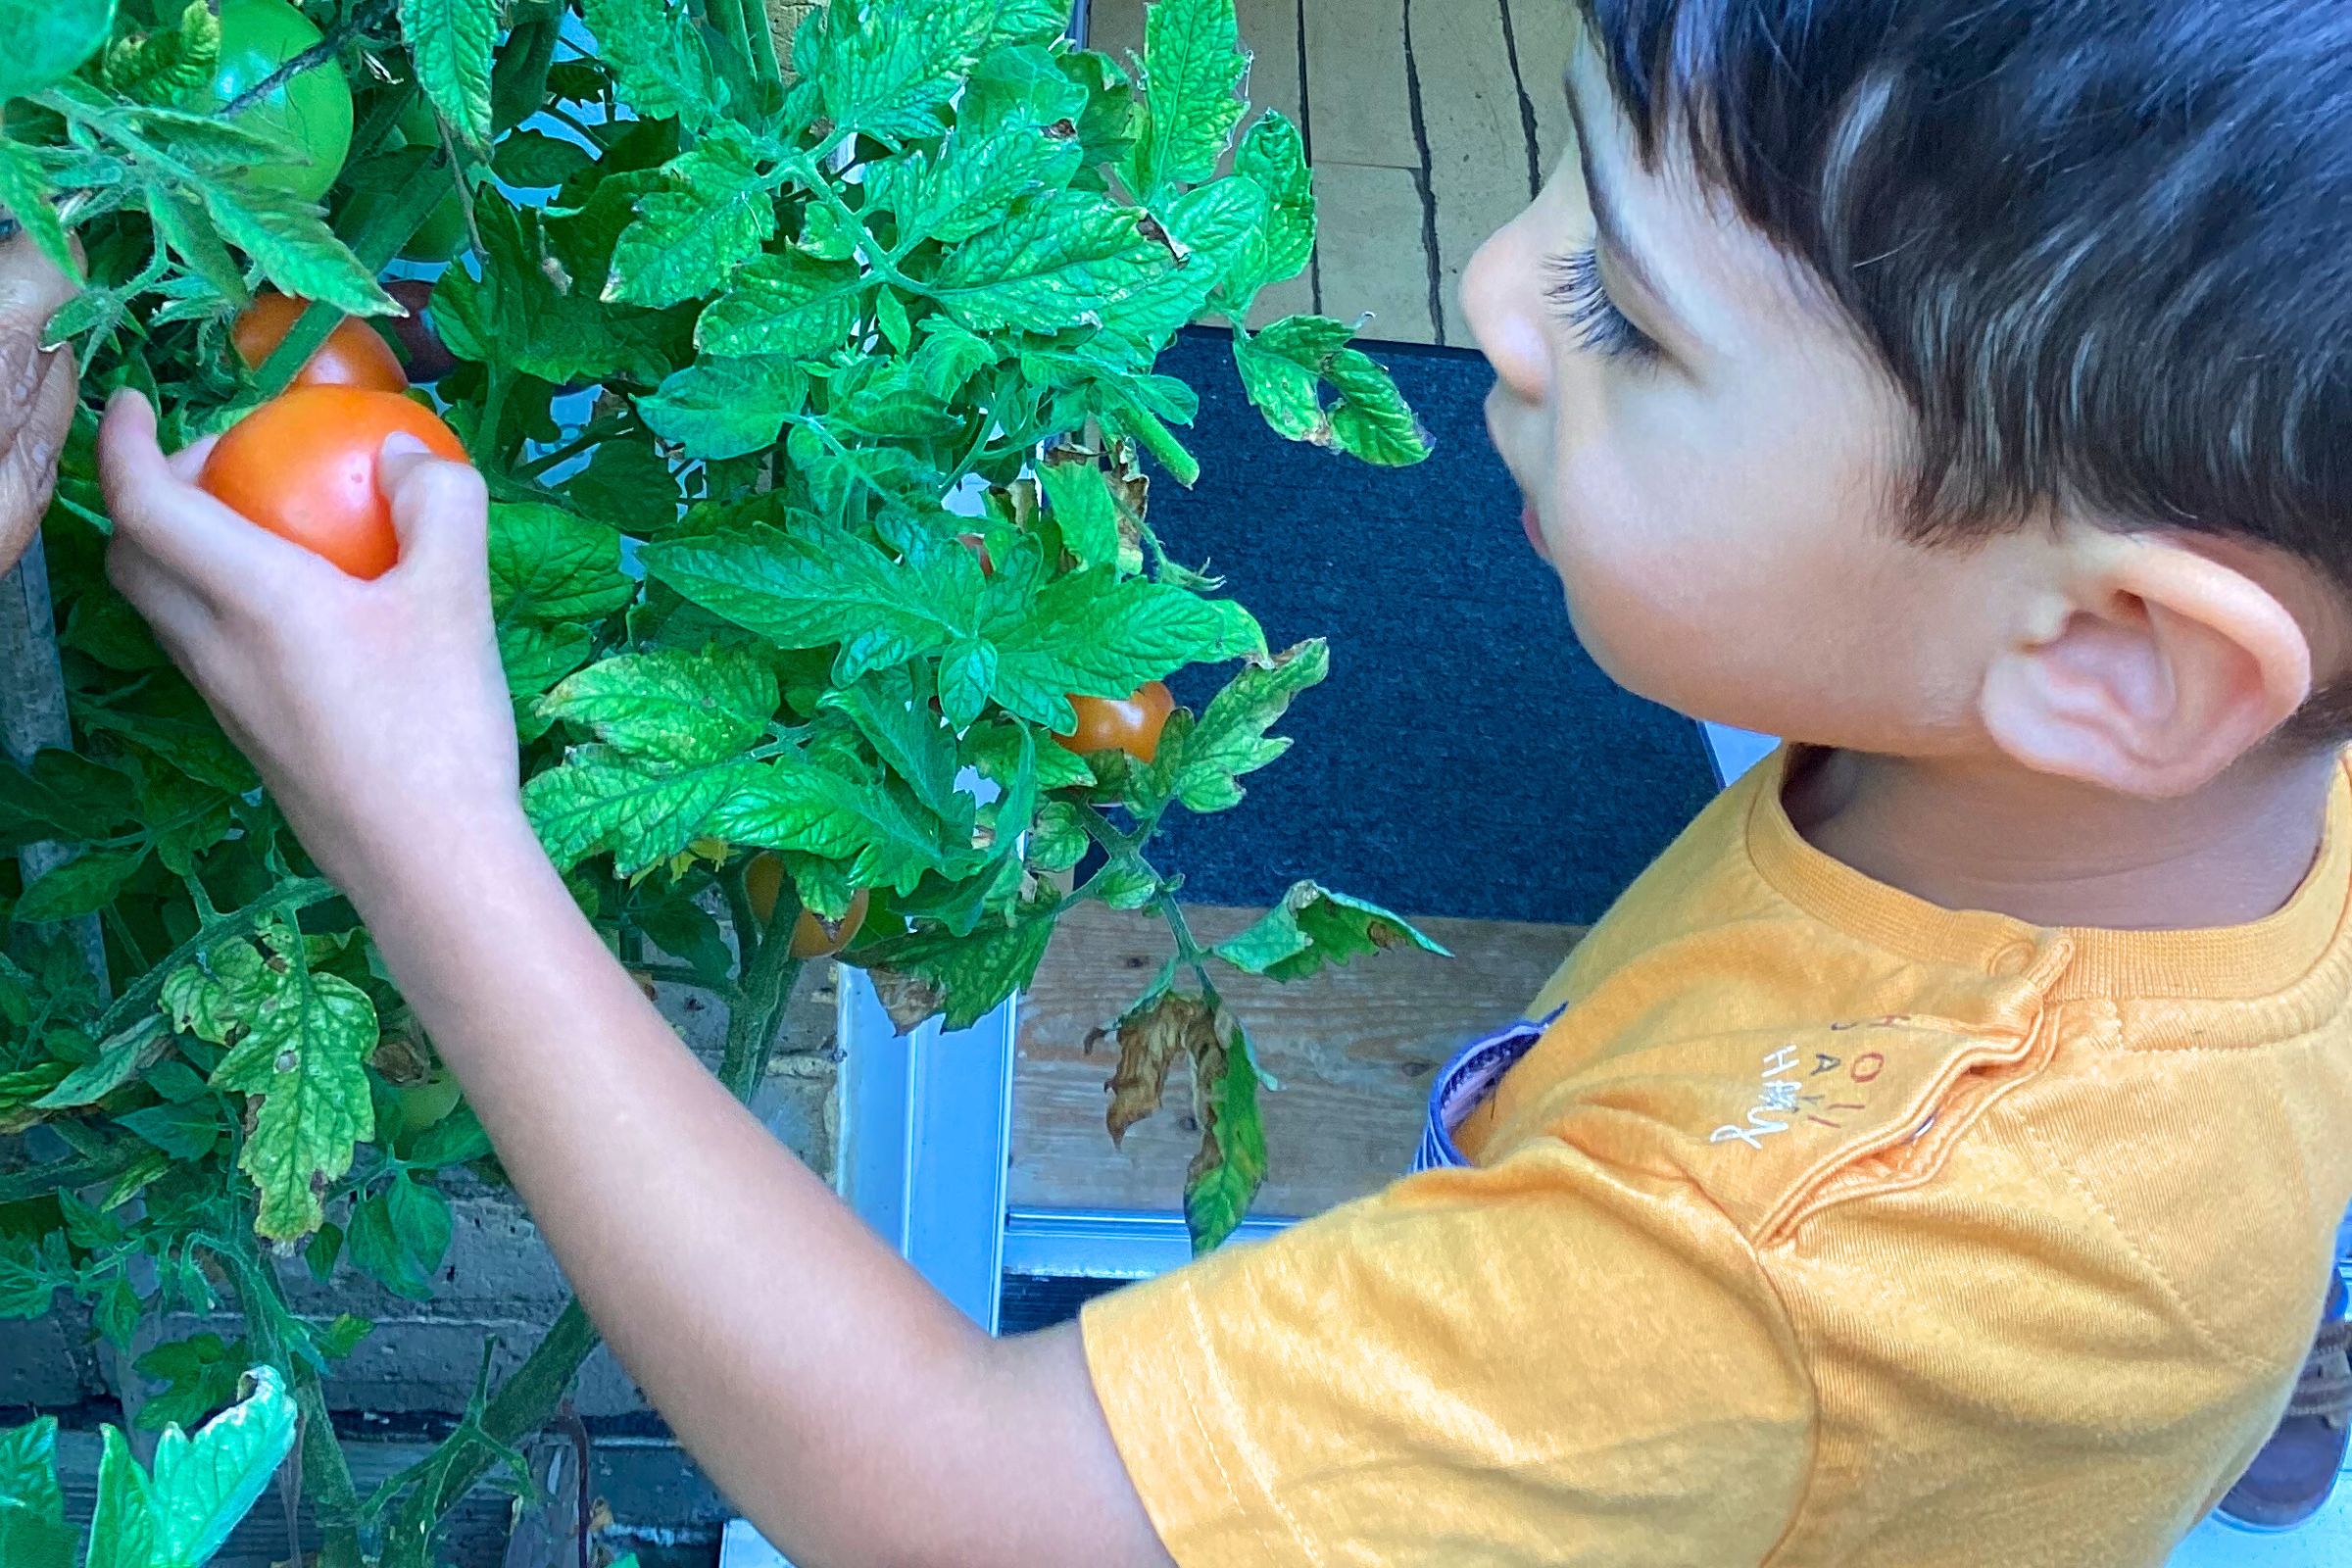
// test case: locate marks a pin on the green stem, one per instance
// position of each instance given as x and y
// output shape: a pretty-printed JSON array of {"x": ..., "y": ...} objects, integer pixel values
[
  {"x": 494, "y": 408},
  {"x": 389, "y": 227},
  {"x": 325, "y": 1475},
  {"x": 287, "y": 898},
  {"x": 594, "y": 434},
  {"x": 319, "y": 54},
  {"x": 767, "y": 983}
]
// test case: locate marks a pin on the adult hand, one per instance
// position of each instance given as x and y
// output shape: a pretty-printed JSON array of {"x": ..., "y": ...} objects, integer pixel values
[{"x": 38, "y": 388}]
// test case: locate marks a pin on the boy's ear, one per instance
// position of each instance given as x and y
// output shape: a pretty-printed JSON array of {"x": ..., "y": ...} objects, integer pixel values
[{"x": 2151, "y": 673}]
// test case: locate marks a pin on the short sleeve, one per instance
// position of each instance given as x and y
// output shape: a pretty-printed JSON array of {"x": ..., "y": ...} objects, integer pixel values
[{"x": 1551, "y": 1360}]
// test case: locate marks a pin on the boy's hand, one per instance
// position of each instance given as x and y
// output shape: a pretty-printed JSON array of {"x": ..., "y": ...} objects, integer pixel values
[
  {"x": 377, "y": 711},
  {"x": 37, "y": 389}
]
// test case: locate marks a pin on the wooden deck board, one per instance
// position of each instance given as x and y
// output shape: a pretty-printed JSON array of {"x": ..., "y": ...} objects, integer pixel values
[
  {"x": 1354, "y": 1049},
  {"x": 1477, "y": 141}
]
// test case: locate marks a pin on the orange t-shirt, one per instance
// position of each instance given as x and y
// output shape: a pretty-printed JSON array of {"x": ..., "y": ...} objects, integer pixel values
[{"x": 1823, "y": 1227}]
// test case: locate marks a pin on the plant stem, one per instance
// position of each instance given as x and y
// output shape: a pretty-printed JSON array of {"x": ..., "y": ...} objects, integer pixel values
[
  {"x": 594, "y": 434},
  {"x": 388, "y": 228},
  {"x": 767, "y": 984},
  {"x": 493, "y": 408},
  {"x": 287, "y": 898},
  {"x": 326, "y": 49},
  {"x": 325, "y": 1475}
]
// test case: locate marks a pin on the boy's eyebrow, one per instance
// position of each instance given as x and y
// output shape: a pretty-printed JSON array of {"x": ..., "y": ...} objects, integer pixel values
[{"x": 1609, "y": 227}]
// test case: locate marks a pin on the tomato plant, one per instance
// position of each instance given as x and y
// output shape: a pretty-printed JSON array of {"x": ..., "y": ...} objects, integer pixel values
[
  {"x": 768, "y": 345},
  {"x": 1132, "y": 724},
  {"x": 303, "y": 465},
  {"x": 354, "y": 354}
]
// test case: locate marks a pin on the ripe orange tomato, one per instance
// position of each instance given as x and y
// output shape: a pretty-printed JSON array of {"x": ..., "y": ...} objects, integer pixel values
[
  {"x": 763, "y": 885},
  {"x": 352, "y": 355},
  {"x": 1130, "y": 724},
  {"x": 303, "y": 465}
]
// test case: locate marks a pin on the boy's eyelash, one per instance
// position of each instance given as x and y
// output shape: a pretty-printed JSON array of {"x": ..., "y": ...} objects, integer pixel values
[{"x": 1576, "y": 287}]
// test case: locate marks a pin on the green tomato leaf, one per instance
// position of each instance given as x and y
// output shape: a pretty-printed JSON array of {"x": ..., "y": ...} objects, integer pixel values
[
  {"x": 897, "y": 720},
  {"x": 672, "y": 706},
  {"x": 783, "y": 304},
  {"x": 204, "y": 1485},
  {"x": 967, "y": 673},
  {"x": 32, "y": 1507},
  {"x": 929, "y": 973},
  {"x": 47, "y": 39},
  {"x": 400, "y": 1236},
  {"x": 721, "y": 408},
  {"x": 117, "y": 1061},
  {"x": 1313, "y": 927},
  {"x": 1193, "y": 70},
  {"x": 1094, "y": 634},
  {"x": 32, "y": 1272},
  {"x": 1230, "y": 1166},
  {"x": 531, "y": 160},
  {"x": 123, "y": 1526},
  {"x": 551, "y": 565},
  {"x": 25, "y": 191},
  {"x": 158, "y": 67},
  {"x": 1058, "y": 839},
  {"x": 81, "y": 886},
  {"x": 658, "y": 59},
  {"x": 1024, "y": 83},
  {"x": 1079, "y": 493},
  {"x": 819, "y": 585},
  {"x": 185, "y": 1132},
  {"x": 693, "y": 234},
  {"x": 1208, "y": 230},
  {"x": 1373, "y": 422},
  {"x": 290, "y": 242},
  {"x": 599, "y": 801},
  {"x": 1056, "y": 262},
  {"x": 457, "y": 1138},
  {"x": 970, "y": 182},
  {"x": 794, "y": 806},
  {"x": 1273, "y": 157},
  {"x": 453, "y": 44},
  {"x": 202, "y": 1371},
  {"x": 1204, "y": 766},
  {"x": 116, "y": 1316},
  {"x": 307, "y": 1034},
  {"x": 887, "y": 69},
  {"x": 627, "y": 486}
]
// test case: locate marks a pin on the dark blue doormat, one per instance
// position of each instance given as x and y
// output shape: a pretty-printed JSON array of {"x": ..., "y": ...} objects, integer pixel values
[{"x": 1465, "y": 758}]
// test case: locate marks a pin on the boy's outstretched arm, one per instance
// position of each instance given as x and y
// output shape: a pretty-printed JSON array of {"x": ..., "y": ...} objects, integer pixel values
[{"x": 854, "y": 1414}]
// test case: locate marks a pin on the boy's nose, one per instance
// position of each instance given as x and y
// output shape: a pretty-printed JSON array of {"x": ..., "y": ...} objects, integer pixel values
[{"x": 1503, "y": 298}]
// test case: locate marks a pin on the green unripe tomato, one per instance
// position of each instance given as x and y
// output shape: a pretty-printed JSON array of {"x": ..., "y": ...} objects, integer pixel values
[
  {"x": 429, "y": 1104},
  {"x": 311, "y": 113}
]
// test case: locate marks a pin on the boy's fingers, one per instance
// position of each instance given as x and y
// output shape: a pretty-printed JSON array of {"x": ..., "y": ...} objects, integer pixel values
[
  {"x": 31, "y": 288},
  {"x": 182, "y": 620},
  {"x": 188, "y": 463},
  {"x": 440, "y": 509},
  {"x": 186, "y": 531}
]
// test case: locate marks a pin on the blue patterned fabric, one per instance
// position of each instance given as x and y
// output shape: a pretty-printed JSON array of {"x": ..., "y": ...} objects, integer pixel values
[{"x": 1463, "y": 1086}]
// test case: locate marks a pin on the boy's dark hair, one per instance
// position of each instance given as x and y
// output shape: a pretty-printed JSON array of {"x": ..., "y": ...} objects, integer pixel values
[{"x": 2104, "y": 246}]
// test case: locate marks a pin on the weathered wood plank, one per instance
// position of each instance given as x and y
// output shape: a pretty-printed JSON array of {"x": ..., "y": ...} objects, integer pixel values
[
  {"x": 1543, "y": 34},
  {"x": 1479, "y": 151},
  {"x": 1115, "y": 28},
  {"x": 1356, "y": 83},
  {"x": 1370, "y": 255},
  {"x": 1354, "y": 1049}
]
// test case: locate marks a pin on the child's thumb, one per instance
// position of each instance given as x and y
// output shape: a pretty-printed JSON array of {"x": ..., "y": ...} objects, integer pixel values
[{"x": 440, "y": 509}]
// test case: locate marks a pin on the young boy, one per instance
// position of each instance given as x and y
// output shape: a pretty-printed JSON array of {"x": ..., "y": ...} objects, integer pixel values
[{"x": 1937, "y": 1156}]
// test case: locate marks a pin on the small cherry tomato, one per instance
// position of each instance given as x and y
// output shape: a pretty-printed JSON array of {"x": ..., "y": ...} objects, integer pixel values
[
  {"x": 311, "y": 111},
  {"x": 811, "y": 938},
  {"x": 1129, "y": 724},
  {"x": 423, "y": 1104},
  {"x": 303, "y": 465},
  {"x": 353, "y": 354}
]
